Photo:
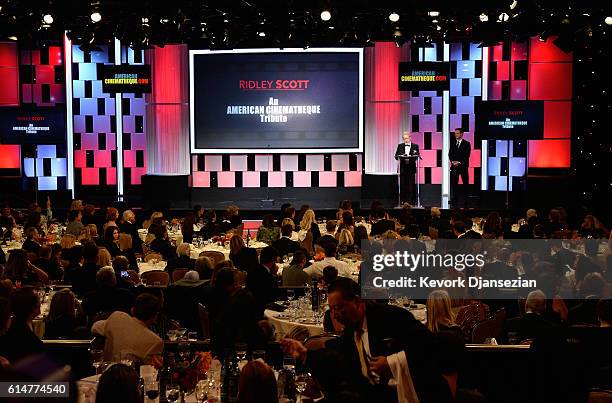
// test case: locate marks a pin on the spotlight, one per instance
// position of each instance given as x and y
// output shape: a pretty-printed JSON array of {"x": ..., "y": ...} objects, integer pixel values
[
  {"x": 96, "y": 16},
  {"x": 513, "y": 4},
  {"x": 394, "y": 17},
  {"x": 483, "y": 17},
  {"x": 503, "y": 17},
  {"x": 325, "y": 15},
  {"x": 433, "y": 13},
  {"x": 608, "y": 20},
  {"x": 262, "y": 34},
  {"x": 48, "y": 19},
  {"x": 12, "y": 38}
]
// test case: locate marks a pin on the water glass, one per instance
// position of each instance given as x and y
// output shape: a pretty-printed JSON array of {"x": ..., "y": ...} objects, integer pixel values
[
  {"x": 151, "y": 390},
  {"x": 173, "y": 393},
  {"x": 290, "y": 294},
  {"x": 96, "y": 358}
]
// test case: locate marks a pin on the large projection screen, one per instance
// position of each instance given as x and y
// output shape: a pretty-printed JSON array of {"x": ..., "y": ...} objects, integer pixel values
[{"x": 276, "y": 100}]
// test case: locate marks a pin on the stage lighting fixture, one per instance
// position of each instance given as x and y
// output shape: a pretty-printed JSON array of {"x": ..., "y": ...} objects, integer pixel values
[
  {"x": 325, "y": 15},
  {"x": 261, "y": 33},
  {"x": 433, "y": 13},
  {"x": 48, "y": 19},
  {"x": 503, "y": 17},
  {"x": 608, "y": 20},
  {"x": 483, "y": 17},
  {"x": 96, "y": 16},
  {"x": 394, "y": 17},
  {"x": 513, "y": 4},
  {"x": 12, "y": 38}
]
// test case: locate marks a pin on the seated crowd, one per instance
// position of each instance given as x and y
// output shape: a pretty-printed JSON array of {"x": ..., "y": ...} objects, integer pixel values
[{"x": 98, "y": 290}]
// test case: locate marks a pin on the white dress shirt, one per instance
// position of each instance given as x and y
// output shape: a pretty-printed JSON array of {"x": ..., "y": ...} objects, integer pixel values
[
  {"x": 407, "y": 148},
  {"x": 315, "y": 270}
]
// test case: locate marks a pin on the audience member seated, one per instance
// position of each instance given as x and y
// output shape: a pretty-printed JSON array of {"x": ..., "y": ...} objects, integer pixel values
[
  {"x": 294, "y": 275},
  {"x": 7, "y": 220},
  {"x": 104, "y": 257},
  {"x": 330, "y": 233},
  {"x": 121, "y": 265},
  {"x": 183, "y": 261},
  {"x": 308, "y": 224},
  {"x": 128, "y": 226},
  {"x": 440, "y": 317},
  {"x": 233, "y": 313},
  {"x": 204, "y": 267},
  {"x": 591, "y": 290},
  {"x": 107, "y": 297},
  {"x": 119, "y": 383},
  {"x": 262, "y": 281},
  {"x": 592, "y": 228},
  {"x": 211, "y": 226},
  {"x": 75, "y": 226},
  {"x": 65, "y": 319},
  {"x": 187, "y": 227},
  {"x": 257, "y": 384},
  {"x": 161, "y": 244},
  {"x": 346, "y": 242},
  {"x": 315, "y": 270},
  {"x": 125, "y": 333},
  {"x": 20, "y": 271},
  {"x": 532, "y": 323},
  {"x": 284, "y": 245},
  {"x": 32, "y": 241},
  {"x": 268, "y": 232},
  {"x": 20, "y": 340},
  {"x": 112, "y": 216},
  {"x": 183, "y": 297},
  {"x": 111, "y": 240},
  {"x": 49, "y": 265},
  {"x": 381, "y": 223},
  {"x": 243, "y": 257}
]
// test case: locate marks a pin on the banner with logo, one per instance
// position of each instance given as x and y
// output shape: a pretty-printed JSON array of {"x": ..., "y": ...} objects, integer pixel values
[{"x": 37, "y": 125}]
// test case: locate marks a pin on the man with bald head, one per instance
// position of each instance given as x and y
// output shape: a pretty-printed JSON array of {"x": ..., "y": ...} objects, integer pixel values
[{"x": 405, "y": 154}]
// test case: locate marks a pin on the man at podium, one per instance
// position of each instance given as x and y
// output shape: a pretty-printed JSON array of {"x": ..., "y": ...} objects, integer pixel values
[{"x": 407, "y": 154}]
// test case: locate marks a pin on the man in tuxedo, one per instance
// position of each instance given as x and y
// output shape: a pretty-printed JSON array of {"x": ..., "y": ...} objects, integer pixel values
[
  {"x": 459, "y": 156},
  {"x": 284, "y": 245},
  {"x": 262, "y": 280},
  {"x": 405, "y": 153},
  {"x": 373, "y": 334}
]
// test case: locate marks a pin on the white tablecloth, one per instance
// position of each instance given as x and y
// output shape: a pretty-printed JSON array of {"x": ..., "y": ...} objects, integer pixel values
[
  {"x": 283, "y": 326},
  {"x": 145, "y": 267},
  {"x": 195, "y": 252},
  {"x": 88, "y": 386}
]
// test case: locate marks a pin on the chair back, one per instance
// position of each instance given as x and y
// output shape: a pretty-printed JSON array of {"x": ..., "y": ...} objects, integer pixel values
[
  {"x": 153, "y": 276},
  {"x": 178, "y": 274},
  {"x": 318, "y": 342},
  {"x": 204, "y": 321},
  {"x": 307, "y": 243},
  {"x": 152, "y": 256},
  {"x": 469, "y": 315},
  {"x": 133, "y": 276},
  {"x": 213, "y": 255},
  {"x": 489, "y": 328},
  {"x": 125, "y": 241}
]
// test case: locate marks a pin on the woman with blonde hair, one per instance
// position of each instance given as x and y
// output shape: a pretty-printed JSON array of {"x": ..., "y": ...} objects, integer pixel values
[
  {"x": 104, "y": 257},
  {"x": 309, "y": 224},
  {"x": 346, "y": 242},
  {"x": 76, "y": 205},
  {"x": 155, "y": 216},
  {"x": 67, "y": 241},
  {"x": 440, "y": 317}
]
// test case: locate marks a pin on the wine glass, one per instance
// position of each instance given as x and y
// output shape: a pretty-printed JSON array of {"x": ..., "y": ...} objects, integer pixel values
[
  {"x": 301, "y": 383},
  {"x": 173, "y": 393},
  {"x": 152, "y": 390},
  {"x": 241, "y": 351},
  {"x": 96, "y": 358},
  {"x": 180, "y": 332},
  {"x": 290, "y": 295},
  {"x": 201, "y": 390}
]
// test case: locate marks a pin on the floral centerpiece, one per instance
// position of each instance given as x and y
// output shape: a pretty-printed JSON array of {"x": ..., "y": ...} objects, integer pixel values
[{"x": 186, "y": 373}]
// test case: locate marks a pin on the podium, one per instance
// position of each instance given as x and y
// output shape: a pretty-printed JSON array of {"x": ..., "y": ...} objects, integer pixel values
[{"x": 406, "y": 159}]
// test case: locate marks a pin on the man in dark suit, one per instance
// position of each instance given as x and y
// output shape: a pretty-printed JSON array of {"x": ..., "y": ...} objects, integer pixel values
[
  {"x": 406, "y": 153},
  {"x": 262, "y": 281},
  {"x": 373, "y": 334},
  {"x": 459, "y": 156},
  {"x": 284, "y": 245},
  {"x": 532, "y": 323},
  {"x": 382, "y": 223},
  {"x": 107, "y": 297}
]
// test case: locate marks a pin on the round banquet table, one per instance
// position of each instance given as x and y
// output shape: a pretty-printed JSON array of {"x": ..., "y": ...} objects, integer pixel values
[
  {"x": 284, "y": 326},
  {"x": 145, "y": 267}
]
